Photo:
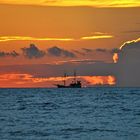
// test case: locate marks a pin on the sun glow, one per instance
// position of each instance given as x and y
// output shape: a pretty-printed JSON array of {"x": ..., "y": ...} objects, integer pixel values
[
  {"x": 100, "y": 80},
  {"x": 94, "y": 3},
  {"x": 115, "y": 57}
]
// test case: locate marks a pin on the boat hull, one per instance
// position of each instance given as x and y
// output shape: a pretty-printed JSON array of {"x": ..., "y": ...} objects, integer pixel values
[{"x": 70, "y": 86}]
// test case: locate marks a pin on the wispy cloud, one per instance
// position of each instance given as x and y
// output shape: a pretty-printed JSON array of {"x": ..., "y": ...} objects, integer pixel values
[
  {"x": 28, "y": 38},
  {"x": 94, "y": 3},
  {"x": 96, "y": 37}
]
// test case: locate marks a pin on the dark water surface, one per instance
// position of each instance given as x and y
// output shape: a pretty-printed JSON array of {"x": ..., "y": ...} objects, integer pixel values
[{"x": 70, "y": 114}]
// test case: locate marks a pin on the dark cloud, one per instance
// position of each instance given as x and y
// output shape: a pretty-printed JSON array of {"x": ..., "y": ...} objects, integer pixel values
[
  {"x": 11, "y": 54},
  {"x": 115, "y": 50},
  {"x": 128, "y": 66},
  {"x": 132, "y": 31},
  {"x": 33, "y": 52},
  {"x": 58, "y": 52},
  {"x": 79, "y": 52},
  {"x": 101, "y": 50},
  {"x": 87, "y": 50}
]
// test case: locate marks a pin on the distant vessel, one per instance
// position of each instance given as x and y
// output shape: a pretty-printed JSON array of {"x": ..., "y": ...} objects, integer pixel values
[{"x": 74, "y": 84}]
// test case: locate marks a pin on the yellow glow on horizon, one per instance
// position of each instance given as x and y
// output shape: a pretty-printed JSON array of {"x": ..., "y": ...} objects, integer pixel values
[{"x": 94, "y": 3}]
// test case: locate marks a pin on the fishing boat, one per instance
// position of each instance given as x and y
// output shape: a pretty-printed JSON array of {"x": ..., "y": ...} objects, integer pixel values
[{"x": 74, "y": 84}]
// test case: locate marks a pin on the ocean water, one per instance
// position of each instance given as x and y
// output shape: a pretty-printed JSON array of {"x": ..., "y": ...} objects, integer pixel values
[{"x": 70, "y": 114}]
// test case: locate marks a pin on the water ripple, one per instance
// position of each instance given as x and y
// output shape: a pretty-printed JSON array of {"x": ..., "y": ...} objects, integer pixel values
[{"x": 73, "y": 114}]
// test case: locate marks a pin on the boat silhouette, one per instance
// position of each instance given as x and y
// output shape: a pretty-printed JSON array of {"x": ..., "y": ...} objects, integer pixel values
[{"x": 74, "y": 84}]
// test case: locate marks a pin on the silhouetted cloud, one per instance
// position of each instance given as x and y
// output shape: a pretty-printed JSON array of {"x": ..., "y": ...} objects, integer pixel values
[
  {"x": 33, "y": 52},
  {"x": 56, "y": 51},
  {"x": 11, "y": 54},
  {"x": 128, "y": 65}
]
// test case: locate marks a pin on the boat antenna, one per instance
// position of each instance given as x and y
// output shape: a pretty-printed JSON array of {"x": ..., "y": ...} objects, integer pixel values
[{"x": 65, "y": 75}]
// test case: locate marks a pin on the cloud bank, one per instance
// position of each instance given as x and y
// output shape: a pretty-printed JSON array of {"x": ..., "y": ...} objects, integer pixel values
[
  {"x": 33, "y": 52},
  {"x": 126, "y": 69},
  {"x": 128, "y": 65}
]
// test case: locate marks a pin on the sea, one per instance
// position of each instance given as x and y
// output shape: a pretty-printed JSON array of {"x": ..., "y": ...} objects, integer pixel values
[{"x": 70, "y": 114}]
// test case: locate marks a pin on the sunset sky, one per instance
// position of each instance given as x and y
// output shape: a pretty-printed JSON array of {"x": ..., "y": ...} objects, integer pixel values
[{"x": 42, "y": 39}]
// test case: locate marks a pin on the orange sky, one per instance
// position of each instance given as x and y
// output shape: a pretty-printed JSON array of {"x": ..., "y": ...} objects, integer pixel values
[{"x": 72, "y": 26}]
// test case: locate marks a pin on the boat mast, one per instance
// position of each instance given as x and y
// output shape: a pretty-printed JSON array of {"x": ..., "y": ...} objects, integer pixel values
[{"x": 74, "y": 76}]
